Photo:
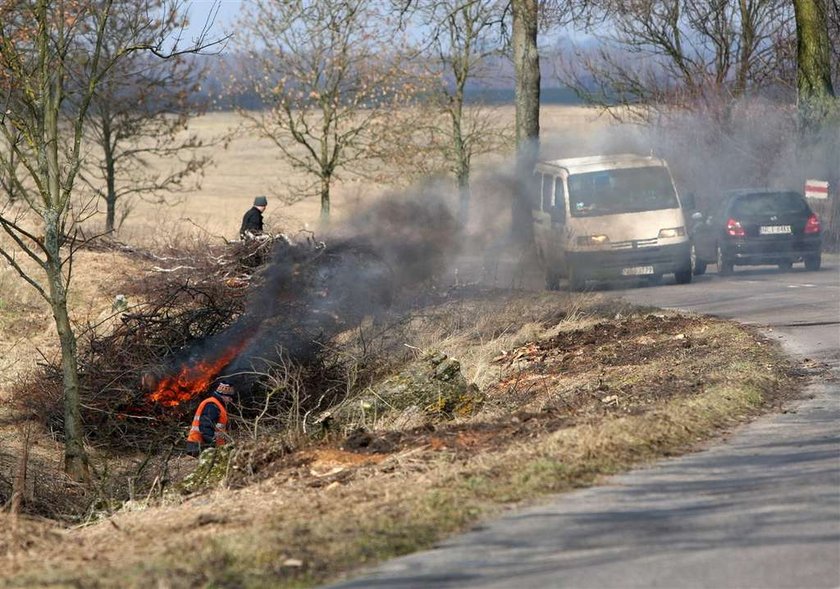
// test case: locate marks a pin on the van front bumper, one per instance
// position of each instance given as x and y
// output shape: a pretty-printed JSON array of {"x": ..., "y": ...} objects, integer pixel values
[{"x": 652, "y": 260}]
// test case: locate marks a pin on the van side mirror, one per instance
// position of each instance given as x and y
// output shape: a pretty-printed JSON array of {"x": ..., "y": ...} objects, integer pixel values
[{"x": 689, "y": 202}]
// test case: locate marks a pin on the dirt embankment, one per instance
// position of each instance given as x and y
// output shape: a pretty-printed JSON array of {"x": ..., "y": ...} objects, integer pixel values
[{"x": 570, "y": 389}]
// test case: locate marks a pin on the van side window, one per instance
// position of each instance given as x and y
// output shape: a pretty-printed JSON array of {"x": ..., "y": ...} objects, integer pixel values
[
  {"x": 558, "y": 213},
  {"x": 547, "y": 185}
]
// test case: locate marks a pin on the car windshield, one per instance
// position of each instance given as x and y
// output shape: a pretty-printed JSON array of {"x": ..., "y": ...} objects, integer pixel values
[
  {"x": 630, "y": 190},
  {"x": 769, "y": 203}
]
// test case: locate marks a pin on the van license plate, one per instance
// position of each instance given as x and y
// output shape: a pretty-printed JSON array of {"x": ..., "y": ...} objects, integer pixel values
[
  {"x": 637, "y": 271},
  {"x": 774, "y": 229}
]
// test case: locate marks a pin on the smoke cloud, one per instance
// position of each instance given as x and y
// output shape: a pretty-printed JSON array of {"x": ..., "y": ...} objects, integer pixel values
[
  {"x": 757, "y": 145},
  {"x": 311, "y": 292}
]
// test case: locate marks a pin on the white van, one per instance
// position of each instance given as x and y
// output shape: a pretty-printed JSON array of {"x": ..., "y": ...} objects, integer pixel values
[{"x": 608, "y": 216}]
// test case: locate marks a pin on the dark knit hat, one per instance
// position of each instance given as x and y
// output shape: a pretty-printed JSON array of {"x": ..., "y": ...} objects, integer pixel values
[
  {"x": 224, "y": 388},
  {"x": 260, "y": 201}
]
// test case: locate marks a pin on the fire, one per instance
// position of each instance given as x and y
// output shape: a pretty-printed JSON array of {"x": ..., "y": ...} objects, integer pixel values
[{"x": 192, "y": 379}]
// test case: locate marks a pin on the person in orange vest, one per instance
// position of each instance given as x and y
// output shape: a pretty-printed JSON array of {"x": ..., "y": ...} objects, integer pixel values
[{"x": 209, "y": 425}]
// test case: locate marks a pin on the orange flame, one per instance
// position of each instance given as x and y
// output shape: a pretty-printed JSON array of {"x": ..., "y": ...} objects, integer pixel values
[{"x": 192, "y": 380}]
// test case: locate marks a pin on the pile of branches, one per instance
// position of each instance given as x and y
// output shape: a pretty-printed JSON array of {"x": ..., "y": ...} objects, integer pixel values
[
  {"x": 290, "y": 298},
  {"x": 176, "y": 302}
]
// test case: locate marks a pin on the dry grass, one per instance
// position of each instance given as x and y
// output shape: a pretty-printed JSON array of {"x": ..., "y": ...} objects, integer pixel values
[
  {"x": 26, "y": 324},
  {"x": 250, "y": 166},
  {"x": 325, "y": 512},
  {"x": 478, "y": 331}
]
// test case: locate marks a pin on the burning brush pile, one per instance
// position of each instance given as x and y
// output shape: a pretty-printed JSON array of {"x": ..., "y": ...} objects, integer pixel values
[{"x": 212, "y": 314}]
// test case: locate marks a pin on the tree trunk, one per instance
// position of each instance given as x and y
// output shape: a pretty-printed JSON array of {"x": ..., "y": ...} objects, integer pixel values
[
  {"x": 746, "y": 47},
  {"x": 325, "y": 199},
  {"x": 56, "y": 197},
  {"x": 527, "y": 101},
  {"x": 9, "y": 174},
  {"x": 75, "y": 457},
  {"x": 462, "y": 157},
  {"x": 832, "y": 230},
  {"x": 463, "y": 176},
  {"x": 816, "y": 99},
  {"x": 813, "y": 52},
  {"x": 110, "y": 177}
]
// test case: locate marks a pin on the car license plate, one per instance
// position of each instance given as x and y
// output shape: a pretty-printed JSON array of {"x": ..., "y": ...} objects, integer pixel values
[
  {"x": 637, "y": 271},
  {"x": 774, "y": 229}
]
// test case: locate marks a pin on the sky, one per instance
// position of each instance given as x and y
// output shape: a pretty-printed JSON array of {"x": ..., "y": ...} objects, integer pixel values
[
  {"x": 199, "y": 10},
  {"x": 229, "y": 10}
]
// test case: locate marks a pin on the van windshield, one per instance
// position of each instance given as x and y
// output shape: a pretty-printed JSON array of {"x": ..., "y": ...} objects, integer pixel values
[{"x": 631, "y": 190}]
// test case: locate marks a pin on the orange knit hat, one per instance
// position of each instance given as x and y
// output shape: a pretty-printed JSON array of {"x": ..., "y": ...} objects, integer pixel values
[{"x": 226, "y": 389}]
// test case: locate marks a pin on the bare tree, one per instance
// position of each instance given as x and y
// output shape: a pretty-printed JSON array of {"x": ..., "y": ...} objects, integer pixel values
[
  {"x": 693, "y": 54},
  {"x": 328, "y": 72},
  {"x": 140, "y": 112},
  {"x": 465, "y": 40},
  {"x": 52, "y": 61}
]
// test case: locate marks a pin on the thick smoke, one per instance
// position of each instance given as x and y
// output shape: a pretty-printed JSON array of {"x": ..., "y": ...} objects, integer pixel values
[
  {"x": 311, "y": 292},
  {"x": 757, "y": 145}
]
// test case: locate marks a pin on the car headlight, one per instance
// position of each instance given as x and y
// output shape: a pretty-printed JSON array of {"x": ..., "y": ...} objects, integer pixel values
[
  {"x": 672, "y": 232},
  {"x": 593, "y": 240}
]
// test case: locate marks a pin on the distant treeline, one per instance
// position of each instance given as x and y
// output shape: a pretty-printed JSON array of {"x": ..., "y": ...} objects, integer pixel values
[
  {"x": 217, "y": 95},
  {"x": 488, "y": 96}
]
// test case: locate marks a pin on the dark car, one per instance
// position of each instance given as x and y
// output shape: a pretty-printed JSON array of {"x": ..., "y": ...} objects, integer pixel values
[{"x": 757, "y": 227}]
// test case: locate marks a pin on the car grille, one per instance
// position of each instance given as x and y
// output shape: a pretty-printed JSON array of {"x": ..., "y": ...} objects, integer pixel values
[{"x": 636, "y": 243}]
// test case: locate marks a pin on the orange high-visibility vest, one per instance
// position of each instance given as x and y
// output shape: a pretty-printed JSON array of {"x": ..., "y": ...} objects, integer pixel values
[{"x": 221, "y": 425}]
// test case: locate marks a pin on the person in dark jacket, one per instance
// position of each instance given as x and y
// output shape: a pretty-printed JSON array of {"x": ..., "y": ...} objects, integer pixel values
[
  {"x": 252, "y": 222},
  {"x": 209, "y": 425}
]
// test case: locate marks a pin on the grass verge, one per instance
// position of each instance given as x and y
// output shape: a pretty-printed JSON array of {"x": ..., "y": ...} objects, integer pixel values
[{"x": 615, "y": 393}]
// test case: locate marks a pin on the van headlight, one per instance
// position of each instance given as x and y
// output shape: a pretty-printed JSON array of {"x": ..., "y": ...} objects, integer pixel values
[
  {"x": 593, "y": 240},
  {"x": 672, "y": 232}
]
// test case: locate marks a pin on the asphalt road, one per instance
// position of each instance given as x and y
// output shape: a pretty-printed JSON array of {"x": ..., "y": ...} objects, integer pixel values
[{"x": 760, "y": 509}]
